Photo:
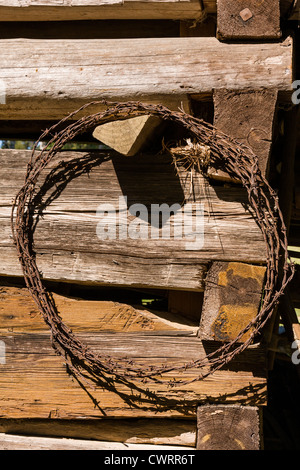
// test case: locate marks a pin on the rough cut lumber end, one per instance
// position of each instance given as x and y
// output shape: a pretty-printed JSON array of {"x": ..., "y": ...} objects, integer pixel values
[
  {"x": 231, "y": 300},
  {"x": 229, "y": 427},
  {"x": 248, "y": 117},
  {"x": 248, "y": 19},
  {"x": 127, "y": 136}
]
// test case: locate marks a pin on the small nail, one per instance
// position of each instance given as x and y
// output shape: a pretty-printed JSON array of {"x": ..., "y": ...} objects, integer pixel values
[{"x": 246, "y": 14}]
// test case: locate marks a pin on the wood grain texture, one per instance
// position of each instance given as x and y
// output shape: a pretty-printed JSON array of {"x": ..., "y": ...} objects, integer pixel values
[
  {"x": 38, "y": 10},
  {"x": 47, "y": 79},
  {"x": 69, "y": 247},
  {"x": 66, "y": 10},
  {"x": 153, "y": 431},
  {"x": 231, "y": 300},
  {"x": 249, "y": 117},
  {"x": 10, "y": 442},
  {"x": 35, "y": 384},
  {"x": 230, "y": 427},
  {"x": 248, "y": 19},
  {"x": 20, "y": 314}
]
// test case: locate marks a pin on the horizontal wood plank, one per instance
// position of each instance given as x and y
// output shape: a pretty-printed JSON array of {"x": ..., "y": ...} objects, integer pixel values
[
  {"x": 70, "y": 248},
  {"x": 11, "y": 442},
  {"x": 19, "y": 314},
  {"x": 50, "y": 10},
  {"x": 47, "y": 79},
  {"x": 151, "y": 431},
  {"x": 35, "y": 384}
]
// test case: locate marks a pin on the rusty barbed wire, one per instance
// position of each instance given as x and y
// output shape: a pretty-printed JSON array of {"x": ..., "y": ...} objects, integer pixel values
[{"x": 226, "y": 154}]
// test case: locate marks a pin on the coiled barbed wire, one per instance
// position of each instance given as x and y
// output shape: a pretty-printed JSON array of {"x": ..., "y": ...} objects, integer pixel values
[{"x": 226, "y": 154}]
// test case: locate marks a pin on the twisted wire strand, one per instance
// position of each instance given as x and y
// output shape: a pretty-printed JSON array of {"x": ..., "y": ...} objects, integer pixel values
[{"x": 225, "y": 153}]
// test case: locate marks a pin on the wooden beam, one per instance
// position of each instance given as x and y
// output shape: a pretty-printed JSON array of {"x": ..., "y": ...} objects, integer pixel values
[
  {"x": 230, "y": 427},
  {"x": 99, "y": 315},
  {"x": 231, "y": 300},
  {"x": 248, "y": 19},
  {"x": 107, "y": 9},
  {"x": 248, "y": 116},
  {"x": 42, "y": 10},
  {"x": 47, "y": 79},
  {"x": 35, "y": 384},
  {"x": 11, "y": 442},
  {"x": 150, "y": 431},
  {"x": 69, "y": 238}
]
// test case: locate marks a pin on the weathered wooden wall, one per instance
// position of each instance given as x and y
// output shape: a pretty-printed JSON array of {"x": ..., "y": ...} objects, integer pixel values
[{"x": 187, "y": 61}]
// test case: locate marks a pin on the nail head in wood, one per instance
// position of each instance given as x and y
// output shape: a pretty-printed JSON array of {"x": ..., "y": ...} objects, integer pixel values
[{"x": 246, "y": 14}]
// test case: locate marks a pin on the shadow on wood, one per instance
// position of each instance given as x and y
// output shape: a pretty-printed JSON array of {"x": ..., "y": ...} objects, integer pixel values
[{"x": 134, "y": 184}]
